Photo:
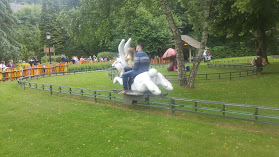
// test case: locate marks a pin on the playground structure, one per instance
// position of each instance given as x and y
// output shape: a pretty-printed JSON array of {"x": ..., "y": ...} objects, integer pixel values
[{"x": 146, "y": 81}]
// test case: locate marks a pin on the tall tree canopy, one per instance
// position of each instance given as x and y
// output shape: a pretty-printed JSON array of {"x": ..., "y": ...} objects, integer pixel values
[
  {"x": 239, "y": 20},
  {"x": 49, "y": 23},
  {"x": 9, "y": 46},
  {"x": 28, "y": 30},
  {"x": 99, "y": 25}
]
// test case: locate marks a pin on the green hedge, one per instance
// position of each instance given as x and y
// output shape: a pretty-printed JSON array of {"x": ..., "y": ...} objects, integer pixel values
[
  {"x": 53, "y": 58},
  {"x": 105, "y": 54},
  {"x": 89, "y": 67},
  {"x": 232, "y": 50}
]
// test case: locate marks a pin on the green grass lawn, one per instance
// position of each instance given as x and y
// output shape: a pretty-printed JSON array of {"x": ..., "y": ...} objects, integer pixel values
[{"x": 34, "y": 123}]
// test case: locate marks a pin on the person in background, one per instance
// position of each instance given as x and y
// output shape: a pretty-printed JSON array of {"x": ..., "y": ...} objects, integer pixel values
[
  {"x": 130, "y": 59},
  {"x": 3, "y": 66},
  {"x": 32, "y": 61},
  {"x": 89, "y": 59},
  {"x": 259, "y": 62},
  {"x": 114, "y": 58},
  {"x": 36, "y": 62},
  {"x": 76, "y": 59},
  {"x": 11, "y": 64},
  {"x": 141, "y": 65},
  {"x": 73, "y": 60},
  {"x": 63, "y": 58},
  {"x": 95, "y": 58},
  {"x": 81, "y": 60},
  {"x": 187, "y": 68},
  {"x": 101, "y": 59}
]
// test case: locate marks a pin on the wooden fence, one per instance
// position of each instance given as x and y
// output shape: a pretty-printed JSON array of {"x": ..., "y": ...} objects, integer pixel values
[
  {"x": 36, "y": 70},
  {"x": 14, "y": 74}
]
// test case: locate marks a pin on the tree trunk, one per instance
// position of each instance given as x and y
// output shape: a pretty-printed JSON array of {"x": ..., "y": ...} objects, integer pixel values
[
  {"x": 178, "y": 43},
  {"x": 261, "y": 43},
  {"x": 194, "y": 70}
]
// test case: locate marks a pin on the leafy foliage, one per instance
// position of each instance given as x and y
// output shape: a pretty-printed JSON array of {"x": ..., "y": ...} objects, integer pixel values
[
  {"x": 29, "y": 32},
  {"x": 143, "y": 26},
  {"x": 49, "y": 23},
  {"x": 9, "y": 46},
  {"x": 26, "y": 53}
]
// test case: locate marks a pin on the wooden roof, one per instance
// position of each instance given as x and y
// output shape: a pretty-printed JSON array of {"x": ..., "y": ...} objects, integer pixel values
[{"x": 191, "y": 41}]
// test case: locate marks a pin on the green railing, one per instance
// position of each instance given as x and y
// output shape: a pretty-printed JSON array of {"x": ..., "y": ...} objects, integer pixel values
[
  {"x": 255, "y": 113},
  {"x": 209, "y": 76}
]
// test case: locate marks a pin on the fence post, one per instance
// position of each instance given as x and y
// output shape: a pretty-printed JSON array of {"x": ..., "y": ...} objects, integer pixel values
[
  {"x": 147, "y": 100},
  {"x": 24, "y": 85},
  {"x": 256, "y": 113},
  {"x": 205, "y": 76},
  {"x": 70, "y": 90},
  {"x": 172, "y": 106},
  {"x": 81, "y": 91},
  {"x": 50, "y": 88},
  {"x": 219, "y": 76},
  {"x": 109, "y": 95},
  {"x": 196, "y": 106},
  {"x": 60, "y": 89},
  {"x": 224, "y": 109},
  {"x": 43, "y": 87},
  {"x": 95, "y": 96},
  {"x": 230, "y": 76}
]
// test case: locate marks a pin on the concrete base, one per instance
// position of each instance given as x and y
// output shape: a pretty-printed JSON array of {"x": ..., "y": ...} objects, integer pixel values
[{"x": 132, "y": 97}]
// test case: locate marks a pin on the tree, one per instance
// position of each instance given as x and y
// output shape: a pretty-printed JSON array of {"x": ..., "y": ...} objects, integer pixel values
[
  {"x": 246, "y": 18},
  {"x": 90, "y": 25},
  {"x": 49, "y": 23},
  {"x": 26, "y": 53},
  {"x": 178, "y": 42},
  {"x": 28, "y": 30},
  {"x": 194, "y": 70},
  {"x": 264, "y": 17},
  {"x": 9, "y": 46},
  {"x": 142, "y": 25}
]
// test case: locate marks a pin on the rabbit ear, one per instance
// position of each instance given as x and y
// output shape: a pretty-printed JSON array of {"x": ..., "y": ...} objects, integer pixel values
[
  {"x": 122, "y": 52},
  {"x": 127, "y": 45},
  {"x": 121, "y": 48}
]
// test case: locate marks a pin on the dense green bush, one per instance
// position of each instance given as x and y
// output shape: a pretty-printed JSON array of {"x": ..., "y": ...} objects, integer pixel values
[
  {"x": 233, "y": 49},
  {"x": 218, "y": 52},
  {"x": 89, "y": 67},
  {"x": 105, "y": 54}
]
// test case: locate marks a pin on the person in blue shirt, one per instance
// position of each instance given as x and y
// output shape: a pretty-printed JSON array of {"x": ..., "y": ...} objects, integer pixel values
[{"x": 141, "y": 64}]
